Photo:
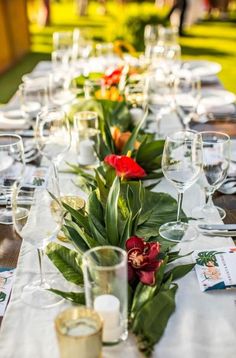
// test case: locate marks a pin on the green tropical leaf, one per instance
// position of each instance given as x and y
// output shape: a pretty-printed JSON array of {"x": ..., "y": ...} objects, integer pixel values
[
  {"x": 77, "y": 240},
  {"x": 79, "y": 217},
  {"x": 96, "y": 219},
  {"x": 158, "y": 309},
  {"x": 75, "y": 297},
  {"x": 149, "y": 151},
  {"x": 111, "y": 213},
  {"x": 67, "y": 261},
  {"x": 178, "y": 272},
  {"x": 143, "y": 293},
  {"x": 130, "y": 143},
  {"x": 89, "y": 240}
]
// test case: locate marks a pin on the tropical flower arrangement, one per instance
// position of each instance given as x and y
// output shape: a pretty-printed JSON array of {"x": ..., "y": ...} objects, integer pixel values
[
  {"x": 123, "y": 213},
  {"x": 119, "y": 136}
]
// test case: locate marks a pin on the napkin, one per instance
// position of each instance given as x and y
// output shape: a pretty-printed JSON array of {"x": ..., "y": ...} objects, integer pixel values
[{"x": 10, "y": 122}]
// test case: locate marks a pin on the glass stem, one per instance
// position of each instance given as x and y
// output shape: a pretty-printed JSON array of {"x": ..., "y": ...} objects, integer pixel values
[
  {"x": 180, "y": 201},
  {"x": 209, "y": 202},
  {"x": 55, "y": 171},
  {"x": 41, "y": 271},
  {"x": 56, "y": 177}
]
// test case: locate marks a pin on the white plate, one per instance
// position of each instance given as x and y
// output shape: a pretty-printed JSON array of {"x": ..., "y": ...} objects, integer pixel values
[
  {"x": 216, "y": 98},
  {"x": 13, "y": 114},
  {"x": 203, "y": 68}
]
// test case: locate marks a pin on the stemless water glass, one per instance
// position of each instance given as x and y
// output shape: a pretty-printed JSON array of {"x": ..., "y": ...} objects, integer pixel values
[
  {"x": 86, "y": 128},
  {"x": 181, "y": 165},
  {"x": 12, "y": 166},
  {"x": 135, "y": 95},
  {"x": 62, "y": 88},
  {"x": 53, "y": 135},
  {"x": 38, "y": 216},
  {"x": 160, "y": 98},
  {"x": 33, "y": 98},
  {"x": 187, "y": 92},
  {"x": 105, "y": 281},
  {"x": 216, "y": 160}
]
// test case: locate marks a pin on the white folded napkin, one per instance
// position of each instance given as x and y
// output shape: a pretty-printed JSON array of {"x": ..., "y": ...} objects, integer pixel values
[{"x": 9, "y": 122}]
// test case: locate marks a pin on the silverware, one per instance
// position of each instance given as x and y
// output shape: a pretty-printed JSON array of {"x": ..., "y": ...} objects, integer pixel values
[
  {"x": 219, "y": 233},
  {"x": 218, "y": 227},
  {"x": 228, "y": 187},
  {"x": 31, "y": 151},
  {"x": 220, "y": 230}
]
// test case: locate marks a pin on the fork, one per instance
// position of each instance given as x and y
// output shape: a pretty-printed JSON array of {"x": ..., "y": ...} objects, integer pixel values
[{"x": 31, "y": 151}]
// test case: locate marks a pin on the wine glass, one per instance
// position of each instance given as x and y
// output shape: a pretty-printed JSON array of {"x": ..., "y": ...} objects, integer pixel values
[
  {"x": 216, "y": 161},
  {"x": 187, "y": 93},
  {"x": 53, "y": 135},
  {"x": 181, "y": 165},
  {"x": 38, "y": 215},
  {"x": 12, "y": 166}
]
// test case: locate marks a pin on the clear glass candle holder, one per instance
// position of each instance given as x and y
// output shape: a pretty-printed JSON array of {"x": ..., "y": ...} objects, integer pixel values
[
  {"x": 106, "y": 289},
  {"x": 79, "y": 333},
  {"x": 86, "y": 128}
]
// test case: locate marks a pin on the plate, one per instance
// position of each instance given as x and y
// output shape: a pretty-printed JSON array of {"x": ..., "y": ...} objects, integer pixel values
[
  {"x": 216, "y": 98},
  {"x": 203, "y": 68},
  {"x": 13, "y": 114}
]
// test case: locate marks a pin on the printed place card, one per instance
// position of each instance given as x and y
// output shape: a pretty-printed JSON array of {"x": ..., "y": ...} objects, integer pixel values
[
  {"x": 216, "y": 269},
  {"x": 6, "y": 281}
]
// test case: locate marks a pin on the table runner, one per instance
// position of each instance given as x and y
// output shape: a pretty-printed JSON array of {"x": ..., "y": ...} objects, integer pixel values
[{"x": 203, "y": 324}]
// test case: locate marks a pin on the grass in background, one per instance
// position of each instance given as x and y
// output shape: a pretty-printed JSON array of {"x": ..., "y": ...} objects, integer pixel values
[{"x": 208, "y": 40}]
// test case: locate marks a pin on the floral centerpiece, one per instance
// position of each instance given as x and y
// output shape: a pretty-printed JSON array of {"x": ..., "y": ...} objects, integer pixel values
[
  {"x": 119, "y": 136},
  {"x": 123, "y": 213}
]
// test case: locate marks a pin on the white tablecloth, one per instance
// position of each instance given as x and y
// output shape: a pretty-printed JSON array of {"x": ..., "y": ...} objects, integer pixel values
[{"x": 203, "y": 324}]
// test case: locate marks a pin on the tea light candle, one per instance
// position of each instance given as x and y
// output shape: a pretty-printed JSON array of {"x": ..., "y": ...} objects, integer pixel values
[
  {"x": 86, "y": 152},
  {"x": 80, "y": 327},
  {"x": 108, "y": 306},
  {"x": 136, "y": 115}
]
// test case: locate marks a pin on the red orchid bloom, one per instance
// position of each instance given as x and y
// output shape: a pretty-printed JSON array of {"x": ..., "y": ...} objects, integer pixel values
[
  {"x": 125, "y": 166},
  {"x": 142, "y": 260}
]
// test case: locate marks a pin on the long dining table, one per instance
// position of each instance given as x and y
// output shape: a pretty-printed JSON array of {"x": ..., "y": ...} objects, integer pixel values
[{"x": 203, "y": 323}]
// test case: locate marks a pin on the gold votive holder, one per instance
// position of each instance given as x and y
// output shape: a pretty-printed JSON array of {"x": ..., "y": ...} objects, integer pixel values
[{"x": 79, "y": 333}]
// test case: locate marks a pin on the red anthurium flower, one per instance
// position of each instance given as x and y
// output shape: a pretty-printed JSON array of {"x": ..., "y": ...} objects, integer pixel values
[
  {"x": 113, "y": 78},
  {"x": 142, "y": 260},
  {"x": 125, "y": 166}
]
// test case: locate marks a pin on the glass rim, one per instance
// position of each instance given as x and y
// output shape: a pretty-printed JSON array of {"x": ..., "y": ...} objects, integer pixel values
[
  {"x": 11, "y": 135},
  {"x": 224, "y": 136},
  {"x": 80, "y": 308},
  {"x": 92, "y": 115},
  {"x": 55, "y": 109},
  {"x": 190, "y": 131},
  {"x": 105, "y": 247}
]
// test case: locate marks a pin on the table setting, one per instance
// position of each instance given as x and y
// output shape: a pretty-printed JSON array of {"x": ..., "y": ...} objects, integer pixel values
[{"x": 111, "y": 172}]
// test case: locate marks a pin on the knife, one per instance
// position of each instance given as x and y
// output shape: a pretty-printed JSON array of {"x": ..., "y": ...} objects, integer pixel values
[{"x": 218, "y": 227}]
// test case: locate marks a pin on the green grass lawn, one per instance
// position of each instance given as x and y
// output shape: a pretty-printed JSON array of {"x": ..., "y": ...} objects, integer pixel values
[{"x": 211, "y": 40}]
